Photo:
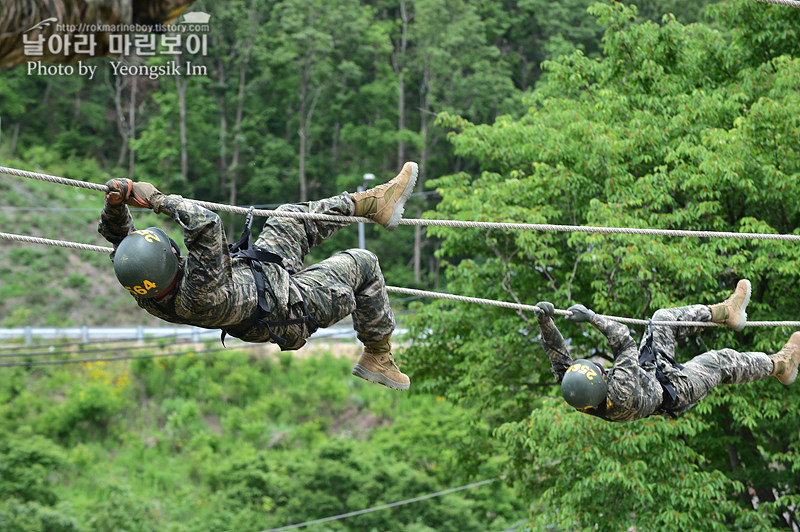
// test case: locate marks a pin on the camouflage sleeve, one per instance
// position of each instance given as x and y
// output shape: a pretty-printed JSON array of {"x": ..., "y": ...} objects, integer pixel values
[
  {"x": 115, "y": 223},
  {"x": 208, "y": 264},
  {"x": 28, "y": 22},
  {"x": 555, "y": 347},
  {"x": 626, "y": 354}
]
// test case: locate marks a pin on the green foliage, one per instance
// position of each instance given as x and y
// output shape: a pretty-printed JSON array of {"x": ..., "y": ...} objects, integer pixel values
[
  {"x": 26, "y": 462},
  {"x": 118, "y": 508},
  {"x": 654, "y": 478},
  {"x": 673, "y": 126},
  {"x": 669, "y": 123},
  {"x": 16, "y": 516},
  {"x": 240, "y": 441}
]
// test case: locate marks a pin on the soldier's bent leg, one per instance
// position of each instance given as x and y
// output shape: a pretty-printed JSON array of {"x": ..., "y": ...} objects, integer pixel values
[
  {"x": 724, "y": 366},
  {"x": 665, "y": 337},
  {"x": 292, "y": 238},
  {"x": 355, "y": 285}
]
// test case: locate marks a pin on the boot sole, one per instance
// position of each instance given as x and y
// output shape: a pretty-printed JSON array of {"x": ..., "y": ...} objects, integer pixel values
[
  {"x": 743, "y": 313},
  {"x": 399, "y": 207},
  {"x": 378, "y": 378},
  {"x": 793, "y": 375},
  {"x": 791, "y": 378}
]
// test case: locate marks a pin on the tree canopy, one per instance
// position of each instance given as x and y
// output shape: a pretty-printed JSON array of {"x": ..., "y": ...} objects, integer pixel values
[
  {"x": 674, "y": 126},
  {"x": 670, "y": 116}
]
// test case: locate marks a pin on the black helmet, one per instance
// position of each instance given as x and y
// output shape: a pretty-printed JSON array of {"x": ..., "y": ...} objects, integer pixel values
[
  {"x": 145, "y": 263},
  {"x": 583, "y": 384}
]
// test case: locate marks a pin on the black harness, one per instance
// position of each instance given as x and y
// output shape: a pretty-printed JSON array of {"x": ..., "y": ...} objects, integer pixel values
[
  {"x": 255, "y": 256},
  {"x": 648, "y": 354}
]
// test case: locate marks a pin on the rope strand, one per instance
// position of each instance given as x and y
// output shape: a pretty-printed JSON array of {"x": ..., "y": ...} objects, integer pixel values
[
  {"x": 438, "y": 223},
  {"x": 535, "y": 309},
  {"x": 790, "y": 3},
  {"x": 424, "y": 293}
]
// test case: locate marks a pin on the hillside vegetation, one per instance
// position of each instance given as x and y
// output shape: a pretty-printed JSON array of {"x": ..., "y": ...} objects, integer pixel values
[
  {"x": 42, "y": 285},
  {"x": 675, "y": 116},
  {"x": 234, "y": 440}
]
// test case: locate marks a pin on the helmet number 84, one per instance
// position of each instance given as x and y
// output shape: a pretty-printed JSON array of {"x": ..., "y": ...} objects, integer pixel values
[
  {"x": 148, "y": 235},
  {"x": 143, "y": 289}
]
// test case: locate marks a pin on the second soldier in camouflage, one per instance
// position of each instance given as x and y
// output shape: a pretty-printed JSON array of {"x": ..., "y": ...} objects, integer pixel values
[{"x": 638, "y": 386}]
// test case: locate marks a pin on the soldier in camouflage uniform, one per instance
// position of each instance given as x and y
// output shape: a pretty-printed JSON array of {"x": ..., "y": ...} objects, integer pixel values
[
  {"x": 209, "y": 288},
  {"x": 19, "y": 16},
  {"x": 639, "y": 385}
]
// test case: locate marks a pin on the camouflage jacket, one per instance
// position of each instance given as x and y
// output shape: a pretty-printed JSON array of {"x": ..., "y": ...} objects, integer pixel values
[
  {"x": 31, "y": 23},
  {"x": 213, "y": 291},
  {"x": 633, "y": 390}
]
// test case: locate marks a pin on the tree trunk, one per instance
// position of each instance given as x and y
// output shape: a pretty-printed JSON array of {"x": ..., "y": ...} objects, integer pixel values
[
  {"x": 132, "y": 128},
  {"x": 302, "y": 132},
  {"x": 14, "y": 138},
  {"x": 398, "y": 63},
  {"x": 335, "y": 146},
  {"x": 223, "y": 129},
  {"x": 425, "y": 90},
  {"x": 237, "y": 130},
  {"x": 180, "y": 83},
  {"x": 122, "y": 126},
  {"x": 306, "y": 113}
]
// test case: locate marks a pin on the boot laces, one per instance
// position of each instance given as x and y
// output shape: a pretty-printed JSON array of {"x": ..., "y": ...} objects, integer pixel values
[
  {"x": 387, "y": 359},
  {"x": 376, "y": 188}
]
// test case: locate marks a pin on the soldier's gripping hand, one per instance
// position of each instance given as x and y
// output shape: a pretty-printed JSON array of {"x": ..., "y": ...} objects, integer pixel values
[
  {"x": 580, "y": 314},
  {"x": 547, "y": 309},
  {"x": 139, "y": 194}
]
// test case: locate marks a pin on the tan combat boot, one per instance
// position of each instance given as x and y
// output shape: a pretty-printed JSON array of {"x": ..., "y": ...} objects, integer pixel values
[
  {"x": 377, "y": 365},
  {"x": 787, "y": 359},
  {"x": 731, "y": 312},
  {"x": 385, "y": 203}
]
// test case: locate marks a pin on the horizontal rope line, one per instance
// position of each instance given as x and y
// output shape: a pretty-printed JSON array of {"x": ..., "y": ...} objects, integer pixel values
[
  {"x": 438, "y": 223},
  {"x": 424, "y": 293},
  {"x": 383, "y": 506},
  {"x": 790, "y": 3},
  {"x": 59, "y": 243},
  {"x": 535, "y": 309}
]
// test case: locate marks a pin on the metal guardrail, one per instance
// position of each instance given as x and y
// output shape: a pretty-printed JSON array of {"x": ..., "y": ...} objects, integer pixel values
[
  {"x": 88, "y": 334},
  {"x": 140, "y": 333}
]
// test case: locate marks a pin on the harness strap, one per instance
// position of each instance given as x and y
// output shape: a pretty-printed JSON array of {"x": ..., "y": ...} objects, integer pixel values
[
  {"x": 648, "y": 354},
  {"x": 255, "y": 255}
]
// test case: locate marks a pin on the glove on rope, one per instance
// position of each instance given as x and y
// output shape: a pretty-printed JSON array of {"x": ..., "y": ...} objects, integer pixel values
[
  {"x": 580, "y": 314},
  {"x": 139, "y": 194},
  {"x": 547, "y": 309}
]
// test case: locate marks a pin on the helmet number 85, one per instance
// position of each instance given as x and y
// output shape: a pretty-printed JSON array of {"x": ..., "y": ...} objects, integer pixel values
[
  {"x": 590, "y": 373},
  {"x": 142, "y": 290}
]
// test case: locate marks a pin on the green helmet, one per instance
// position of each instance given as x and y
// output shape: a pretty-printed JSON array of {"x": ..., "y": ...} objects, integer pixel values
[
  {"x": 583, "y": 385},
  {"x": 145, "y": 263}
]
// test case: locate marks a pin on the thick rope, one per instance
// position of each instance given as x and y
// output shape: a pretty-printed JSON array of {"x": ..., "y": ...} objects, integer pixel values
[
  {"x": 52, "y": 179},
  {"x": 60, "y": 243},
  {"x": 439, "y": 223},
  {"x": 424, "y": 293},
  {"x": 382, "y": 506},
  {"x": 790, "y": 3},
  {"x": 535, "y": 309}
]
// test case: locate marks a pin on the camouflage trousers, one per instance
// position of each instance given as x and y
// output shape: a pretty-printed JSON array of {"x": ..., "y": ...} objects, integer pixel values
[
  {"x": 703, "y": 372},
  {"x": 348, "y": 283}
]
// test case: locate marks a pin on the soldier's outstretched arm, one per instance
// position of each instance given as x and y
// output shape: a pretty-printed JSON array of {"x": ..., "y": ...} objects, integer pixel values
[
  {"x": 623, "y": 346},
  {"x": 552, "y": 341},
  {"x": 115, "y": 220}
]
